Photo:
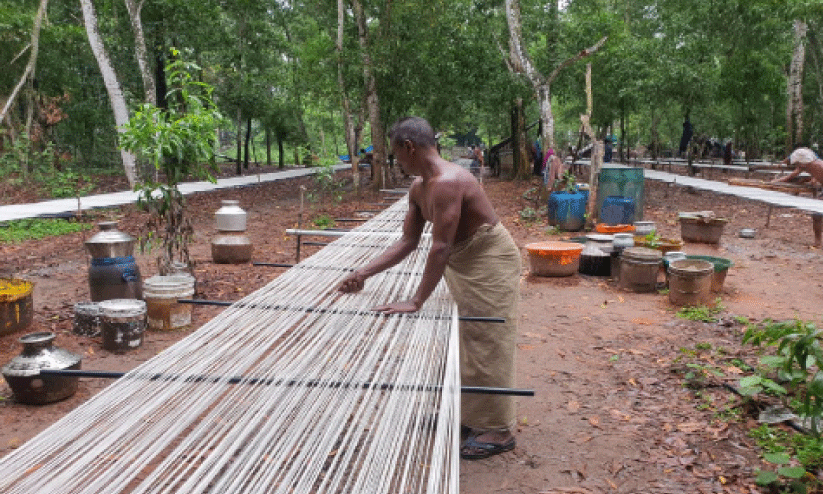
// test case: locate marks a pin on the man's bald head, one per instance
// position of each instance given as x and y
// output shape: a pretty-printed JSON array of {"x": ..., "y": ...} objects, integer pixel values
[{"x": 414, "y": 129}]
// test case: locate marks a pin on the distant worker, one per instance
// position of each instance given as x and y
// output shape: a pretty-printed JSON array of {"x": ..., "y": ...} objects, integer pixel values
[
  {"x": 477, "y": 159},
  {"x": 554, "y": 173},
  {"x": 805, "y": 160}
]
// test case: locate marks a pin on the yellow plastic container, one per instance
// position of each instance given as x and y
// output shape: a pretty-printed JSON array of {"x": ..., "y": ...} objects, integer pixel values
[{"x": 16, "y": 305}]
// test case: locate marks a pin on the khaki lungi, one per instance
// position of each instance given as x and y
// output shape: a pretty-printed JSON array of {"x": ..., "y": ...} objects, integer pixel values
[{"x": 483, "y": 275}]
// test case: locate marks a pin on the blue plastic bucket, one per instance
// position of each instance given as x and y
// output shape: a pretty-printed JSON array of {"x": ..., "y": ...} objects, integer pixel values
[
  {"x": 624, "y": 182},
  {"x": 567, "y": 210},
  {"x": 617, "y": 210}
]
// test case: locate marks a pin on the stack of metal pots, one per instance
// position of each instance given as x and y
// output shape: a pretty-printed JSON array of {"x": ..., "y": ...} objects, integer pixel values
[
  {"x": 231, "y": 245},
  {"x": 113, "y": 273}
]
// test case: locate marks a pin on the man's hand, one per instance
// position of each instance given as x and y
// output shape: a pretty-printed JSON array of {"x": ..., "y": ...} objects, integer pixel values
[
  {"x": 398, "y": 307},
  {"x": 352, "y": 283}
]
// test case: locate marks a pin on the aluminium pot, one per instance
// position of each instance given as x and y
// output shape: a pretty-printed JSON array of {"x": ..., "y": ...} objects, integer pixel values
[
  {"x": 109, "y": 242},
  {"x": 22, "y": 373}
]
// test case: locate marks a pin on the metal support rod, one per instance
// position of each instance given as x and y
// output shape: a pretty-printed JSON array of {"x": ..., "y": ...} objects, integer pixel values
[
  {"x": 322, "y": 244},
  {"x": 223, "y": 303},
  {"x": 273, "y": 264},
  {"x": 290, "y": 382}
]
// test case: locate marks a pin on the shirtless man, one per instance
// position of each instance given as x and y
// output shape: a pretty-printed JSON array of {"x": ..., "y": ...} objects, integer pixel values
[
  {"x": 805, "y": 160},
  {"x": 481, "y": 265}
]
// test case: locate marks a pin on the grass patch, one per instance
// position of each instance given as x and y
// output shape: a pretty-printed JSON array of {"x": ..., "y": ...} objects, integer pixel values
[{"x": 36, "y": 228}]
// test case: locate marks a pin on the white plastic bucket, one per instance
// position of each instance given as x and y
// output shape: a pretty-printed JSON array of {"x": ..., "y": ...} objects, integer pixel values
[{"x": 161, "y": 294}]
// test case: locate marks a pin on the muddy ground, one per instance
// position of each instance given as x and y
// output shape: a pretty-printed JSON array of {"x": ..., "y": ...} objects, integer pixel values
[{"x": 613, "y": 410}]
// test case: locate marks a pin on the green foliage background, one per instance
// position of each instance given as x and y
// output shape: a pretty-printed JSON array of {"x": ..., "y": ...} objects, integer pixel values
[{"x": 273, "y": 64}]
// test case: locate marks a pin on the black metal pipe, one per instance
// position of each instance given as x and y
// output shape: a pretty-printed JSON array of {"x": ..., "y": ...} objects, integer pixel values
[
  {"x": 273, "y": 264},
  {"x": 291, "y": 382},
  {"x": 322, "y": 244},
  {"x": 323, "y": 311}
]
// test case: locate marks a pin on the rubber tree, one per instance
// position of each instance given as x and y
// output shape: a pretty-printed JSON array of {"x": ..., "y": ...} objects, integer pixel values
[
  {"x": 113, "y": 88},
  {"x": 519, "y": 62},
  {"x": 794, "y": 86},
  {"x": 378, "y": 134}
]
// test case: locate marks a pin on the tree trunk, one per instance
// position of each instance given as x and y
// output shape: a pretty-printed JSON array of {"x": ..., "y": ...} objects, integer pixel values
[
  {"x": 794, "y": 106},
  {"x": 246, "y": 144},
  {"x": 149, "y": 87},
  {"x": 268, "y": 146},
  {"x": 372, "y": 101},
  {"x": 28, "y": 72},
  {"x": 348, "y": 120},
  {"x": 622, "y": 147},
  {"x": 597, "y": 152},
  {"x": 239, "y": 140},
  {"x": 815, "y": 49},
  {"x": 519, "y": 62},
  {"x": 522, "y": 166},
  {"x": 281, "y": 153},
  {"x": 118, "y": 102}
]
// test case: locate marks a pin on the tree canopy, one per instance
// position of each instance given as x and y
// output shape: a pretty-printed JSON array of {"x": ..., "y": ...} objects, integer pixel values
[{"x": 725, "y": 65}]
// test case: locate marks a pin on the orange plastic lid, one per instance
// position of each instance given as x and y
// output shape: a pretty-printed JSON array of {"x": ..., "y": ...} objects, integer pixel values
[
  {"x": 604, "y": 228},
  {"x": 554, "y": 247}
]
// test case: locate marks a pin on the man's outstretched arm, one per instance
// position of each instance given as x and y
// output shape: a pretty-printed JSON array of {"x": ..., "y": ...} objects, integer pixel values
[
  {"x": 412, "y": 230},
  {"x": 447, "y": 206}
]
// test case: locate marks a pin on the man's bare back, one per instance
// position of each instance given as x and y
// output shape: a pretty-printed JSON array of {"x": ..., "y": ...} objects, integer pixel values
[{"x": 457, "y": 183}]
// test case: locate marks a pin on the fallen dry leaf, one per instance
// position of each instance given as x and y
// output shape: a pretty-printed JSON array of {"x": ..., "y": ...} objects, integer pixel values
[{"x": 689, "y": 427}]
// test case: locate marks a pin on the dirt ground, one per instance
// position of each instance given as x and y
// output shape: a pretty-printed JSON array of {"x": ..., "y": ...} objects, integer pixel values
[{"x": 611, "y": 411}]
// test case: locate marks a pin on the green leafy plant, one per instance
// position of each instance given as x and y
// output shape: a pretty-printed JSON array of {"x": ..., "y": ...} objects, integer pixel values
[
  {"x": 324, "y": 177},
  {"x": 794, "y": 372},
  {"x": 566, "y": 183},
  {"x": 35, "y": 228},
  {"x": 179, "y": 142},
  {"x": 798, "y": 361},
  {"x": 703, "y": 313},
  {"x": 323, "y": 221},
  {"x": 67, "y": 183},
  {"x": 792, "y": 455},
  {"x": 652, "y": 239},
  {"x": 528, "y": 214}
]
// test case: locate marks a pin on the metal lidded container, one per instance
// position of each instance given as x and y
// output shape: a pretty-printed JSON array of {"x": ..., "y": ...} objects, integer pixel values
[
  {"x": 231, "y": 245},
  {"x": 110, "y": 242},
  {"x": 113, "y": 272},
  {"x": 230, "y": 217},
  {"x": 23, "y": 372}
]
